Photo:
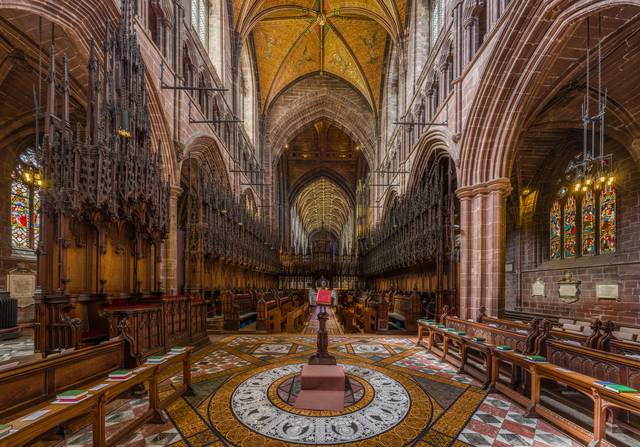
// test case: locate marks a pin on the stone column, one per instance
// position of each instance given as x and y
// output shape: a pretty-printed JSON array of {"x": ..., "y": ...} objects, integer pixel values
[
  {"x": 482, "y": 246},
  {"x": 169, "y": 275}
]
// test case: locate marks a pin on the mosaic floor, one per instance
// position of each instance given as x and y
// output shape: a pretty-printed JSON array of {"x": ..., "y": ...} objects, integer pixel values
[
  {"x": 19, "y": 347},
  {"x": 407, "y": 397}
]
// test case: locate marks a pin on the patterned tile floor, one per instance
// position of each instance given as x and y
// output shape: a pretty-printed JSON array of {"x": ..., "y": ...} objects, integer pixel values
[
  {"x": 498, "y": 422},
  {"x": 15, "y": 348}
]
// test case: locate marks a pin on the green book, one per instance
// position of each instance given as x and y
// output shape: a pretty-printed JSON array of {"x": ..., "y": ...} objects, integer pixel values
[
  {"x": 536, "y": 358},
  {"x": 461, "y": 332},
  {"x": 5, "y": 428},
  {"x": 451, "y": 330},
  {"x": 620, "y": 388},
  {"x": 479, "y": 339},
  {"x": 120, "y": 372},
  {"x": 431, "y": 321},
  {"x": 504, "y": 348},
  {"x": 72, "y": 393},
  {"x": 441, "y": 326},
  {"x": 156, "y": 357}
]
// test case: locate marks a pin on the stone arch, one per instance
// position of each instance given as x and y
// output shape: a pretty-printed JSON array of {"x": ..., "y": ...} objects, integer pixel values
[
  {"x": 500, "y": 110},
  {"x": 313, "y": 98},
  {"x": 430, "y": 145},
  {"x": 206, "y": 149},
  {"x": 391, "y": 201}
]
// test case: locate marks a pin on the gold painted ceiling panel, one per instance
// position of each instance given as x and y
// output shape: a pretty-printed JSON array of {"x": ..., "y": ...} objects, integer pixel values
[
  {"x": 367, "y": 41},
  {"x": 340, "y": 62},
  {"x": 303, "y": 59},
  {"x": 273, "y": 41},
  {"x": 294, "y": 38}
]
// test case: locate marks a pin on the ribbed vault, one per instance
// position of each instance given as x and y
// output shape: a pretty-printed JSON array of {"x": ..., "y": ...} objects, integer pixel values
[
  {"x": 323, "y": 205},
  {"x": 294, "y": 38}
]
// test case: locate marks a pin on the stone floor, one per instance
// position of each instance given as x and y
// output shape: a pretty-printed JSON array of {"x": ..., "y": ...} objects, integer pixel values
[
  {"x": 19, "y": 347},
  {"x": 497, "y": 421}
]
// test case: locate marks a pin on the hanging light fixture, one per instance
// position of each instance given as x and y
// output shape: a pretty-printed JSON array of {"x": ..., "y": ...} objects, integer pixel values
[{"x": 594, "y": 169}]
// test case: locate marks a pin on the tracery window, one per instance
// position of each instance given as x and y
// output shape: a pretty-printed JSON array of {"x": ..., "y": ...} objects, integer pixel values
[
  {"x": 200, "y": 19},
  {"x": 25, "y": 202},
  {"x": 583, "y": 223}
]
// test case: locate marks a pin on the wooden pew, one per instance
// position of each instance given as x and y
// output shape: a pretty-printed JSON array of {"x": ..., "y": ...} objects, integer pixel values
[
  {"x": 405, "y": 311},
  {"x": 269, "y": 316},
  {"x": 602, "y": 398},
  {"x": 441, "y": 340},
  {"x": 41, "y": 380},
  {"x": 296, "y": 319},
  {"x": 100, "y": 394},
  {"x": 142, "y": 324},
  {"x": 239, "y": 310},
  {"x": 566, "y": 356}
]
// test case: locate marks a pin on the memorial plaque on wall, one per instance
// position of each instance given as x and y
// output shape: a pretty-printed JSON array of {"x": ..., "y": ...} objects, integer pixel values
[
  {"x": 568, "y": 289},
  {"x": 607, "y": 291},
  {"x": 21, "y": 285},
  {"x": 537, "y": 288}
]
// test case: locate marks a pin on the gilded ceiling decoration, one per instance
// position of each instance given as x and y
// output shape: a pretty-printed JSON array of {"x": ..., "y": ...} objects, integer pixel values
[
  {"x": 322, "y": 141},
  {"x": 345, "y": 38},
  {"x": 323, "y": 205}
]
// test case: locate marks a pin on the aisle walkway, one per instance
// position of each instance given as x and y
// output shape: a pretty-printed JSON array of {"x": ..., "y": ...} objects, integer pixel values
[{"x": 333, "y": 327}]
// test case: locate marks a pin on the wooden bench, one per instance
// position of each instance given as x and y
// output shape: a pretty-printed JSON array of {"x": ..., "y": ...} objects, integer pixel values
[
  {"x": 101, "y": 392},
  {"x": 603, "y": 399},
  {"x": 523, "y": 385},
  {"x": 296, "y": 319},
  {"x": 269, "y": 316},
  {"x": 238, "y": 309},
  {"x": 440, "y": 340},
  {"x": 40, "y": 380},
  {"x": 405, "y": 311}
]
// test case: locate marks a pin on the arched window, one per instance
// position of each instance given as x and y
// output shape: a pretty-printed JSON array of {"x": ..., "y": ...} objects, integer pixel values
[
  {"x": 248, "y": 95},
  {"x": 583, "y": 222},
  {"x": 25, "y": 202},
  {"x": 437, "y": 19},
  {"x": 216, "y": 36},
  {"x": 157, "y": 27},
  {"x": 393, "y": 90},
  {"x": 200, "y": 19}
]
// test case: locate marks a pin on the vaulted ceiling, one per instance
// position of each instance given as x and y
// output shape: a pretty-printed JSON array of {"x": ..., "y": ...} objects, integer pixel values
[
  {"x": 295, "y": 38},
  {"x": 323, "y": 205}
]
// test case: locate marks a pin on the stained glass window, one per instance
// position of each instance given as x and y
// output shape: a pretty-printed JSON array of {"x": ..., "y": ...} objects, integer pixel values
[
  {"x": 25, "y": 202},
  {"x": 556, "y": 230},
  {"x": 570, "y": 230},
  {"x": 588, "y": 223},
  {"x": 583, "y": 225},
  {"x": 608, "y": 220},
  {"x": 20, "y": 220}
]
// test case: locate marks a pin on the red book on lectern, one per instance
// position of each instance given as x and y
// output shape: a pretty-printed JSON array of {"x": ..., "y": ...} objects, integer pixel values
[{"x": 324, "y": 297}]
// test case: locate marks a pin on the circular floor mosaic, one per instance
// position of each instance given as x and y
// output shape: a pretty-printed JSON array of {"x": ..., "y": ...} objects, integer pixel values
[{"x": 251, "y": 406}]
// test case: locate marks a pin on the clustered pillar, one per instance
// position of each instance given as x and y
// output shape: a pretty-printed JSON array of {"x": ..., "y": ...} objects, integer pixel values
[{"x": 482, "y": 246}]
